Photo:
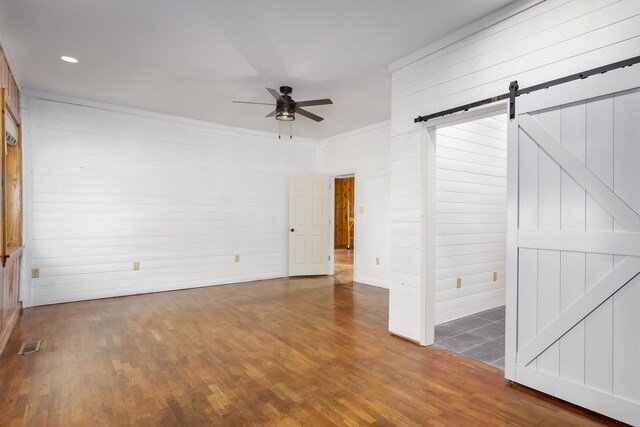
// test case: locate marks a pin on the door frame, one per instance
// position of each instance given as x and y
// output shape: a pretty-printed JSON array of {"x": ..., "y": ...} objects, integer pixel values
[
  {"x": 327, "y": 217},
  {"x": 332, "y": 207},
  {"x": 428, "y": 158}
]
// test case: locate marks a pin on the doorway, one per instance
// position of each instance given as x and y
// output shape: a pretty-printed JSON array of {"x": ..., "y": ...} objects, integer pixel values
[
  {"x": 344, "y": 229},
  {"x": 469, "y": 225}
]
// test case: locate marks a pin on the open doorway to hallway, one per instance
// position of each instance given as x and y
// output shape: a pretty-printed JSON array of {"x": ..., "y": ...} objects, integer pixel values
[
  {"x": 344, "y": 229},
  {"x": 470, "y": 205}
]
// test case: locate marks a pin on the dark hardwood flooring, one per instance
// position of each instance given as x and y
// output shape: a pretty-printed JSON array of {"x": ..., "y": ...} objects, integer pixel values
[{"x": 277, "y": 352}]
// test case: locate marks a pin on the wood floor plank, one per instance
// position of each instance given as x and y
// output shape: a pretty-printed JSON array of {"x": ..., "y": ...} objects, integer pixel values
[{"x": 299, "y": 351}]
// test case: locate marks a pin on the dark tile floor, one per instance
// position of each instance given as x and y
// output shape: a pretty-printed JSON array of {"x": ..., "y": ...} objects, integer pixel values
[{"x": 479, "y": 336}]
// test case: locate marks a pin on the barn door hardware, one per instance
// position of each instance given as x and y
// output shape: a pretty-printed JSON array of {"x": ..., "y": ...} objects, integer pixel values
[{"x": 515, "y": 91}]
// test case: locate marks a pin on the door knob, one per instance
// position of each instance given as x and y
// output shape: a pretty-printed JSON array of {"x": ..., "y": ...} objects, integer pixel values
[{"x": 292, "y": 230}]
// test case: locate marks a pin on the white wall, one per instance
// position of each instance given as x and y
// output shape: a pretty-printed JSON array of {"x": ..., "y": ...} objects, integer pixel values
[
  {"x": 471, "y": 226},
  {"x": 365, "y": 152},
  {"x": 112, "y": 186},
  {"x": 528, "y": 41}
]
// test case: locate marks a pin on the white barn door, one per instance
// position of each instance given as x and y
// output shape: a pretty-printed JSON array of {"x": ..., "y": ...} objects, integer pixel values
[
  {"x": 309, "y": 218},
  {"x": 574, "y": 257}
]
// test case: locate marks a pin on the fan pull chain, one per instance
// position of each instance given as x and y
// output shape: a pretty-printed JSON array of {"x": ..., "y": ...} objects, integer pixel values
[
  {"x": 279, "y": 130},
  {"x": 290, "y": 130}
]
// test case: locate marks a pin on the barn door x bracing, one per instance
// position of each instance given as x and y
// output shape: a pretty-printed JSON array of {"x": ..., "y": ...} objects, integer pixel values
[{"x": 574, "y": 194}]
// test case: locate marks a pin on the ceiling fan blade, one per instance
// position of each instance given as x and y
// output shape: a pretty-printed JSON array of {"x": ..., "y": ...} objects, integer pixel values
[
  {"x": 308, "y": 114},
  {"x": 275, "y": 94},
  {"x": 313, "y": 102},
  {"x": 271, "y": 114},
  {"x": 258, "y": 103}
]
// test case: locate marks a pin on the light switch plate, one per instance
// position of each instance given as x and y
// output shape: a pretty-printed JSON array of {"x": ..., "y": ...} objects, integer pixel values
[
  {"x": 237, "y": 258},
  {"x": 136, "y": 265},
  {"x": 495, "y": 276},
  {"x": 377, "y": 260},
  {"x": 459, "y": 282},
  {"x": 35, "y": 273}
]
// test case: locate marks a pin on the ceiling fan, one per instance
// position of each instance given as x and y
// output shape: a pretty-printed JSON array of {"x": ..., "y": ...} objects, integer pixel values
[{"x": 286, "y": 107}]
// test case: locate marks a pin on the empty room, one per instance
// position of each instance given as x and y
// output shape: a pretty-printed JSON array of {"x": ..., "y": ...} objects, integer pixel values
[{"x": 320, "y": 213}]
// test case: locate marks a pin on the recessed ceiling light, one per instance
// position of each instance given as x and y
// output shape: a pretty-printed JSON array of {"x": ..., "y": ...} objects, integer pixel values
[{"x": 69, "y": 59}]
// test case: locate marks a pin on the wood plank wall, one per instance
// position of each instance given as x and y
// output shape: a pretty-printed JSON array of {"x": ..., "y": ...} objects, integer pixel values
[
  {"x": 365, "y": 150},
  {"x": 345, "y": 190},
  {"x": 547, "y": 41},
  {"x": 112, "y": 186},
  {"x": 471, "y": 223}
]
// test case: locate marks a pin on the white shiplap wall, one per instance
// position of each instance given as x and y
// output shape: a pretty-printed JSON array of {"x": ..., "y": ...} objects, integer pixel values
[
  {"x": 112, "y": 186},
  {"x": 471, "y": 204},
  {"x": 528, "y": 41},
  {"x": 365, "y": 152}
]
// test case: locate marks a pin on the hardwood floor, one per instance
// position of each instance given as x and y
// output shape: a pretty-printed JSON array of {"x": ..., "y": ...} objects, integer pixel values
[
  {"x": 343, "y": 266},
  {"x": 277, "y": 352}
]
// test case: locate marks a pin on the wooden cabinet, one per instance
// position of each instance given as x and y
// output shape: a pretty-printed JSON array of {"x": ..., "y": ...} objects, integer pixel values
[
  {"x": 10, "y": 214},
  {"x": 9, "y": 305},
  {"x": 8, "y": 82}
]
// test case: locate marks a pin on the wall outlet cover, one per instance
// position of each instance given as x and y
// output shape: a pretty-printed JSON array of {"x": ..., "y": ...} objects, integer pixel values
[
  {"x": 35, "y": 273},
  {"x": 237, "y": 258},
  {"x": 377, "y": 260},
  {"x": 459, "y": 282},
  {"x": 495, "y": 276},
  {"x": 136, "y": 265}
]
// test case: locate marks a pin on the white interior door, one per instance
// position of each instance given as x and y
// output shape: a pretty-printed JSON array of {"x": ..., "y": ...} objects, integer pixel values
[
  {"x": 309, "y": 218},
  {"x": 573, "y": 322}
]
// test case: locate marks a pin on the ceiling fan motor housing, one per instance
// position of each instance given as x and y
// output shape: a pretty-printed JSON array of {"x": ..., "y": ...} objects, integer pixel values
[{"x": 286, "y": 107}]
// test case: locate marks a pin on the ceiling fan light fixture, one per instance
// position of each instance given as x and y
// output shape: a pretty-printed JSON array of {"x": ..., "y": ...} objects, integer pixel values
[{"x": 285, "y": 116}]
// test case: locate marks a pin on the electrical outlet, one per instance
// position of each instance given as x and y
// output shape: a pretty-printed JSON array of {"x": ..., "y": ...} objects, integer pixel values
[
  {"x": 136, "y": 265},
  {"x": 35, "y": 273},
  {"x": 237, "y": 258},
  {"x": 459, "y": 282},
  {"x": 495, "y": 276},
  {"x": 377, "y": 260}
]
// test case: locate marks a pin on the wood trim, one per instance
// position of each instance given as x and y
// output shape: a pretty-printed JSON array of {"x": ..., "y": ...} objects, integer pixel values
[
  {"x": 428, "y": 267},
  {"x": 511, "y": 288},
  {"x": 497, "y": 20},
  {"x": 10, "y": 306},
  {"x": 3, "y": 188},
  {"x": 483, "y": 112},
  {"x": 13, "y": 251},
  {"x": 13, "y": 191},
  {"x": 407, "y": 339},
  {"x": 9, "y": 83},
  {"x": 6, "y": 332}
]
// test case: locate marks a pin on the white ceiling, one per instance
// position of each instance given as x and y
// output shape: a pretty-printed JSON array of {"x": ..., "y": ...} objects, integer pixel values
[{"x": 191, "y": 58}]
